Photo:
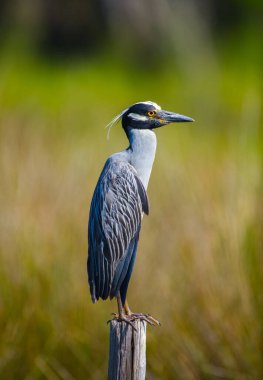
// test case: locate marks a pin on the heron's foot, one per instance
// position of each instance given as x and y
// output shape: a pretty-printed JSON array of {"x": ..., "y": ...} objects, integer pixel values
[
  {"x": 123, "y": 318},
  {"x": 144, "y": 317}
]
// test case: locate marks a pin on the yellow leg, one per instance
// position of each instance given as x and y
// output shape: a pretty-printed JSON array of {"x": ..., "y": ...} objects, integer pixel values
[
  {"x": 120, "y": 308},
  {"x": 127, "y": 309}
]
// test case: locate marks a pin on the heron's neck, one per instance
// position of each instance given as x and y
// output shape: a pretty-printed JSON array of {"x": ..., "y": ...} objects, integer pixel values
[{"x": 142, "y": 152}]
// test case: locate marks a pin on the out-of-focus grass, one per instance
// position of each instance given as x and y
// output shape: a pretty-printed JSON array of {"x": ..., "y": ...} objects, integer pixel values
[{"x": 199, "y": 267}]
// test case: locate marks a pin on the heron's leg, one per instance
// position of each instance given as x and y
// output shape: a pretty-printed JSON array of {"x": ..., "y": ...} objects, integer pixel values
[
  {"x": 127, "y": 309},
  {"x": 121, "y": 317},
  {"x": 120, "y": 307}
]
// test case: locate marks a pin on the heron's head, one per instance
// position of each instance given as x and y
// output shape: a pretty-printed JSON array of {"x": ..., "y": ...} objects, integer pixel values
[{"x": 148, "y": 115}]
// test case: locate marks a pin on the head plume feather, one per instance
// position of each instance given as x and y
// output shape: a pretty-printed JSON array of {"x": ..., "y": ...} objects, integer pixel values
[{"x": 114, "y": 122}]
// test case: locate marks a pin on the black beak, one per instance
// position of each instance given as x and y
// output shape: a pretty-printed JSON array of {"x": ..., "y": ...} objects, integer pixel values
[{"x": 170, "y": 117}]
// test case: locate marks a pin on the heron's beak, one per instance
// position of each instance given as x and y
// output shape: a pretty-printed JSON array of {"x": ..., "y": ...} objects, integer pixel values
[{"x": 170, "y": 117}]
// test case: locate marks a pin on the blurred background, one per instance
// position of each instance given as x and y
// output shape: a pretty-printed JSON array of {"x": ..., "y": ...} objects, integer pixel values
[{"x": 66, "y": 69}]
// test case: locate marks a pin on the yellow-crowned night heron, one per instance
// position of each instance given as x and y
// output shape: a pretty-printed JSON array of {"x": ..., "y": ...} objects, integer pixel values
[{"x": 118, "y": 204}]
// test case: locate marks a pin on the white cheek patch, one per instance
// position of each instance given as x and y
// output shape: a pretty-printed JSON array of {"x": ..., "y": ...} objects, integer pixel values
[{"x": 136, "y": 116}]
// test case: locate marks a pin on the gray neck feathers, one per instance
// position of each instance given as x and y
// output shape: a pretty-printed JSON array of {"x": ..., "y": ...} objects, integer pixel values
[{"x": 142, "y": 152}]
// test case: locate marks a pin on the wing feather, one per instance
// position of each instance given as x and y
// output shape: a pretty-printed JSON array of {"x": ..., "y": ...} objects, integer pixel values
[{"x": 118, "y": 203}]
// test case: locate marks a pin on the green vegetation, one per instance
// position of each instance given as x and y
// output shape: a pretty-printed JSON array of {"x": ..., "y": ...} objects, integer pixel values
[{"x": 199, "y": 267}]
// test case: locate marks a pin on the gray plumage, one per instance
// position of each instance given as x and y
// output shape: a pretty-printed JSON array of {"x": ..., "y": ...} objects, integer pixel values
[{"x": 115, "y": 220}]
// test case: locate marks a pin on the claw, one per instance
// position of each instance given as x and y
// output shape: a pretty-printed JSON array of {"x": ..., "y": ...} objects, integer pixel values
[
  {"x": 123, "y": 318},
  {"x": 147, "y": 318},
  {"x": 127, "y": 320},
  {"x": 155, "y": 321},
  {"x": 133, "y": 316},
  {"x": 144, "y": 318}
]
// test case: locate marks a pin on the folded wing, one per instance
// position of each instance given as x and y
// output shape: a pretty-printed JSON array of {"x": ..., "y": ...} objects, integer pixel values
[{"x": 117, "y": 206}]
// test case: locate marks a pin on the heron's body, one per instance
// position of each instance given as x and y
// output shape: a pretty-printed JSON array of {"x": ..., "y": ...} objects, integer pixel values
[{"x": 119, "y": 201}]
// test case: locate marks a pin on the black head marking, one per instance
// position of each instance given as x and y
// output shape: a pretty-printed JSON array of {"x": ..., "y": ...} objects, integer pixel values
[{"x": 141, "y": 116}]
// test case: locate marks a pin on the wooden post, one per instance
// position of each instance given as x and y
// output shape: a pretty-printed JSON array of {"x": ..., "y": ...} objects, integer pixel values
[{"x": 127, "y": 357}]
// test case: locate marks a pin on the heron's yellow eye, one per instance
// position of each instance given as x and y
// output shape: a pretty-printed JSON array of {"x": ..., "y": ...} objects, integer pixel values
[{"x": 151, "y": 113}]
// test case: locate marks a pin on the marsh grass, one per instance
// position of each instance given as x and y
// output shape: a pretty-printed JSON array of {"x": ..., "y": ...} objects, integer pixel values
[{"x": 199, "y": 267}]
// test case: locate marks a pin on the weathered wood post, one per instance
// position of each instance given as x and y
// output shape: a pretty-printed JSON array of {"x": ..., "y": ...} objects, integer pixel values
[{"x": 127, "y": 356}]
